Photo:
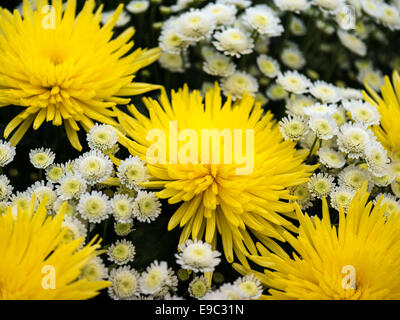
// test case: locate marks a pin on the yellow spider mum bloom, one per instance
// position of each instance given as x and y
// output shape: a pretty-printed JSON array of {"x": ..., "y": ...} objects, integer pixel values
[
  {"x": 388, "y": 133},
  {"x": 65, "y": 68},
  {"x": 358, "y": 259},
  {"x": 34, "y": 262},
  {"x": 214, "y": 196}
]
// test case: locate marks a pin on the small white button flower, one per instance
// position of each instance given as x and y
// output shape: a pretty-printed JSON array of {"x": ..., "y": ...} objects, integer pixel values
[
  {"x": 94, "y": 270},
  {"x": 377, "y": 159},
  {"x": 71, "y": 186},
  {"x": 122, "y": 208},
  {"x": 94, "y": 167},
  {"x": 158, "y": 279},
  {"x": 171, "y": 41},
  {"x": 94, "y": 207},
  {"x": 262, "y": 19},
  {"x": 352, "y": 43},
  {"x": 233, "y": 41},
  {"x": 146, "y": 207},
  {"x": 55, "y": 172},
  {"x": 297, "y": 27},
  {"x": 374, "y": 78},
  {"x": 372, "y": 7},
  {"x": 330, "y": 158},
  {"x": 293, "y": 58},
  {"x": 250, "y": 286},
  {"x": 341, "y": 197},
  {"x": 219, "y": 65},
  {"x": 5, "y": 188},
  {"x": 324, "y": 127},
  {"x": 292, "y": 5},
  {"x": 124, "y": 284},
  {"x": 325, "y": 92},
  {"x": 41, "y": 158},
  {"x": 173, "y": 62},
  {"x": 329, "y": 5},
  {"x": 102, "y": 137},
  {"x": 294, "y": 82},
  {"x": 7, "y": 153},
  {"x": 199, "y": 287},
  {"x": 123, "y": 19},
  {"x": 354, "y": 177},
  {"x": 238, "y": 83},
  {"x": 392, "y": 205},
  {"x": 276, "y": 92},
  {"x": 132, "y": 171},
  {"x": 197, "y": 256},
  {"x": 321, "y": 185},
  {"x": 362, "y": 112},
  {"x": 121, "y": 252},
  {"x": 293, "y": 127},
  {"x": 74, "y": 230},
  {"x": 353, "y": 138},
  {"x": 320, "y": 110},
  {"x": 195, "y": 25},
  {"x": 390, "y": 16},
  {"x": 303, "y": 196},
  {"x": 224, "y": 14},
  {"x": 268, "y": 66},
  {"x": 137, "y": 6},
  {"x": 43, "y": 191}
]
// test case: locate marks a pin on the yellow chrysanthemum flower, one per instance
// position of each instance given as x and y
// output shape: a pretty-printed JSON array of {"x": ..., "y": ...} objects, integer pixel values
[
  {"x": 388, "y": 133},
  {"x": 214, "y": 197},
  {"x": 34, "y": 262},
  {"x": 359, "y": 259},
  {"x": 63, "y": 68}
]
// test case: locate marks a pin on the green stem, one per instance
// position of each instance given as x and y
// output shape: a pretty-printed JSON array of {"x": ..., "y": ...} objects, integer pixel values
[{"x": 312, "y": 148}]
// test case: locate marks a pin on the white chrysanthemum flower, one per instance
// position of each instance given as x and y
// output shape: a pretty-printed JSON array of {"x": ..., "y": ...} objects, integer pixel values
[
  {"x": 324, "y": 127},
  {"x": 351, "y": 93},
  {"x": 146, "y": 207},
  {"x": 5, "y": 188},
  {"x": 219, "y": 65},
  {"x": 250, "y": 286},
  {"x": 296, "y": 104},
  {"x": 240, "y": 4},
  {"x": 264, "y": 20},
  {"x": 71, "y": 207},
  {"x": 124, "y": 283},
  {"x": 123, "y": 19},
  {"x": 392, "y": 205},
  {"x": 122, "y": 208},
  {"x": 292, "y": 5},
  {"x": 293, "y": 58},
  {"x": 43, "y": 191},
  {"x": 294, "y": 82},
  {"x": 171, "y": 41},
  {"x": 238, "y": 83},
  {"x": 297, "y": 27},
  {"x": 372, "y": 7},
  {"x": 232, "y": 292},
  {"x": 20, "y": 199},
  {"x": 353, "y": 138},
  {"x": 158, "y": 279},
  {"x": 75, "y": 230},
  {"x": 218, "y": 295},
  {"x": 320, "y": 109},
  {"x": 234, "y": 42},
  {"x": 224, "y": 14},
  {"x": 41, "y": 158},
  {"x": 132, "y": 171},
  {"x": 173, "y": 62},
  {"x": 352, "y": 43},
  {"x": 321, "y": 185},
  {"x": 102, "y": 137},
  {"x": 340, "y": 116},
  {"x": 71, "y": 186},
  {"x": 373, "y": 77},
  {"x": 385, "y": 179},
  {"x": 94, "y": 270},
  {"x": 331, "y": 158},
  {"x": 325, "y": 92},
  {"x": 293, "y": 127},
  {"x": 7, "y": 153},
  {"x": 137, "y": 6},
  {"x": 341, "y": 197},
  {"x": 199, "y": 287},
  {"x": 346, "y": 19},
  {"x": 268, "y": 66},
  {"x": 330, "y": 5},
  {"x": 121, "y": 252},
  {"x": 390, "y": 16},
  {"x": 195, "y": 25},
  {"x": 4, "y": 207},
  {"x": 55, "y": 172},
  {"x": 94, "y": 167},
  {"x": 276, "y": 92},
  {"x": 363, "y": 112},
  {"x": 197, "y": 256},
  {"x": 377, "y": 159},
  {"x": 303, "y": 196},
  {"x": 94, "y": 207},
  {"x": 354, "y": 177}
]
